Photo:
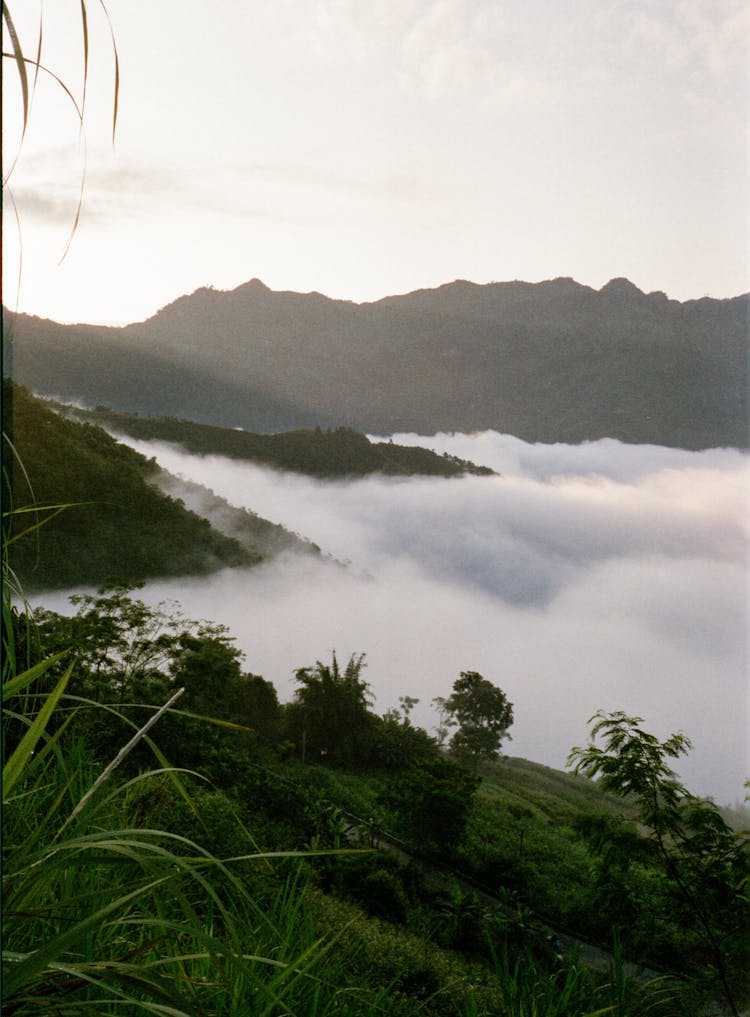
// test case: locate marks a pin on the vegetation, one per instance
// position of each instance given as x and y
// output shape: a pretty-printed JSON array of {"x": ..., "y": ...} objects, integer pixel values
[
  {"x": 131, "y": 522},
  {"x": 122, "y": 527},
  {"x": 235, "y": 882},
  {"x": 257, "y": 534},
  {"x": 452, "y": 916},
  {"x": 481, "y": 712},
  {"x": 338, "y": 452},
  {"x": 701, "y": 856}
]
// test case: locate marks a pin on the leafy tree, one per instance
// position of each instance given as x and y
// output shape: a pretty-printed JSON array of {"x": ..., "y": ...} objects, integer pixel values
[
  {"x": 482, "y": 713},
  {"x": 122, "y": 646},
  {"x": 208, "y": 666},
  {"x": 329, "y": 717},
  {"x": 705, "y": 861},
  {"x": 258, "y": 707},
  {"x": 128, "y": 653}
]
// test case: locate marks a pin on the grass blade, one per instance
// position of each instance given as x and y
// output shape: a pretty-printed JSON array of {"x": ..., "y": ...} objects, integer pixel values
[
  {"x": 13, "y": 769},
  {"x": 141, "y": 733},
  {"x": 20, "y": 60},
  {"x": 22, "y": 681},
  {"x": 37, "y": 961}
]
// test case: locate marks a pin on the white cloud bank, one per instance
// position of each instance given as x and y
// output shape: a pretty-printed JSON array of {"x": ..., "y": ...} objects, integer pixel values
[{"x": 585, "y": 577}]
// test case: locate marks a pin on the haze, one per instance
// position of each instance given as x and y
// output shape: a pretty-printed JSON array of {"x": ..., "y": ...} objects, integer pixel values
[
  {"x": 585, "y": 577},
  {"x": 365, "y": 149}
]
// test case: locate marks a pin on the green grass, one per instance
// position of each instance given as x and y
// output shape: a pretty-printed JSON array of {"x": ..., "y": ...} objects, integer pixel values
[{"x": 102, "y": 910}]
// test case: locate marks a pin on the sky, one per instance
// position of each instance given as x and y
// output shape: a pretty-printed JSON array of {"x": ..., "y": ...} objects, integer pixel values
[
  {"x": 362, "y": 149},
  {"x": 598, "y": 576}
]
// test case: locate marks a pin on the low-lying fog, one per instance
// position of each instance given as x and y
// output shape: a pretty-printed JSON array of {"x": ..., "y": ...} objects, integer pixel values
[{"x": 584, "y": 577}]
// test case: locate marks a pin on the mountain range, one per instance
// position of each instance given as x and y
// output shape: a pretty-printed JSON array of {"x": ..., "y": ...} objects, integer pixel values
[{"x": 548, "y": 362}]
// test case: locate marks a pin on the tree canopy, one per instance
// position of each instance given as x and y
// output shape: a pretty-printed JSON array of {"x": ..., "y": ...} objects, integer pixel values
[
  {"x": 481, "y": 712},
  {"x": 330, "y": 718}
]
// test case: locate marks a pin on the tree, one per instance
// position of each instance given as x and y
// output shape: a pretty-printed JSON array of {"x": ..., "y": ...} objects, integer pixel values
[
  {"x": 397, "y": 743},
  {"x": 258, "y": 707},
  {"x": 706, "y": 862},
  {"x": 329, "y": 716},
  {"x": 122, "y": 646},
  {"x": 482, "y": 713},
  {"x": 207, "y": 665},
  {"x": 132, "y": 656}
]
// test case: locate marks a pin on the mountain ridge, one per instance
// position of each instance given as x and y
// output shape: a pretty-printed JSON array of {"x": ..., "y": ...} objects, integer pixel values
[{"x": 547, "y": 362}]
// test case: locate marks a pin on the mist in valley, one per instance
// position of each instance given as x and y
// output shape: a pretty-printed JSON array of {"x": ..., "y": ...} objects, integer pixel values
[{"x": 596, "y": 576}]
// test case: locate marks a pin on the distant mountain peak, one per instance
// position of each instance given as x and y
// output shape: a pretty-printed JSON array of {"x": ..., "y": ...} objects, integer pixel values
[
  {"x": 620, "y": 287},
  {"x": 254, "y": 285}
]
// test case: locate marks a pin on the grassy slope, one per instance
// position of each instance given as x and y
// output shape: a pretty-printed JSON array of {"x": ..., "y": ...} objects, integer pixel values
[{"x": 407, "y": 939}]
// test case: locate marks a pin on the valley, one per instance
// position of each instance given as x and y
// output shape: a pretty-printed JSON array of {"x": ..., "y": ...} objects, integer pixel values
[{"x": 578, "y": 576}]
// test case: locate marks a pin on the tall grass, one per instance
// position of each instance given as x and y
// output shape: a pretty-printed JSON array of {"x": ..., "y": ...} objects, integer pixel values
[
  {"x": 98, "y": 910},
  {"x": 568, "y": 989}
]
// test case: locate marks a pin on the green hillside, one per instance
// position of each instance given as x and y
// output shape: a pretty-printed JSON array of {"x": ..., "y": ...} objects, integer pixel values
[
  {"x": 340, "y": 452},
  {"x": 119, "y": 527},
  {"x": 366, "y": 869}
]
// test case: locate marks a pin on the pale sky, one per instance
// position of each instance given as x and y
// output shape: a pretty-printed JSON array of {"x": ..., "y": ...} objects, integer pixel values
[{"x": 368, "y": 147}]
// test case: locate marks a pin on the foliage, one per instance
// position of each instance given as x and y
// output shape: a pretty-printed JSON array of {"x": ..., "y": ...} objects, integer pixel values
[
  {"x": 150, "y": 895},
  {"x": 101, "y": 911},
  {"x": 515, "y": 833},
  {"x": 482, "y": 713},
  {"x": 706, "y": 862},
  {"x": 130, "y": 654},
  {"x": 432, "y": 801},
  {"x": 326, "y": 453},
  {"x": 25, "y": 63},
  {"x": 398, "y": 744},
  {"x": 330, "y": 718},
  {"x": 122, "y": 527}
]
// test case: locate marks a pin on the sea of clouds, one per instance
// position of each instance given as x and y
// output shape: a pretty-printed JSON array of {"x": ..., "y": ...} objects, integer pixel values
[{"x": 587, "y": 577}]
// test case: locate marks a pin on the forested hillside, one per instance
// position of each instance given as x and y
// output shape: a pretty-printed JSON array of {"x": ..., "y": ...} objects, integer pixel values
[
  {"x": 118, "y": 525},
  {"x": 320, "y": 453},
  {"x": 547, "y": 362}
]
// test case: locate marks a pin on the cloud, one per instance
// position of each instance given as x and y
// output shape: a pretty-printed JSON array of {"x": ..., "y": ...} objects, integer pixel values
[
  {"x": 509, "y": 57},
  {"x": 707, "y": 34},
  {"x": 53, "y": 177},
  {"x": 261, "y": 192},
  {"x": 596, "y": 576}
]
